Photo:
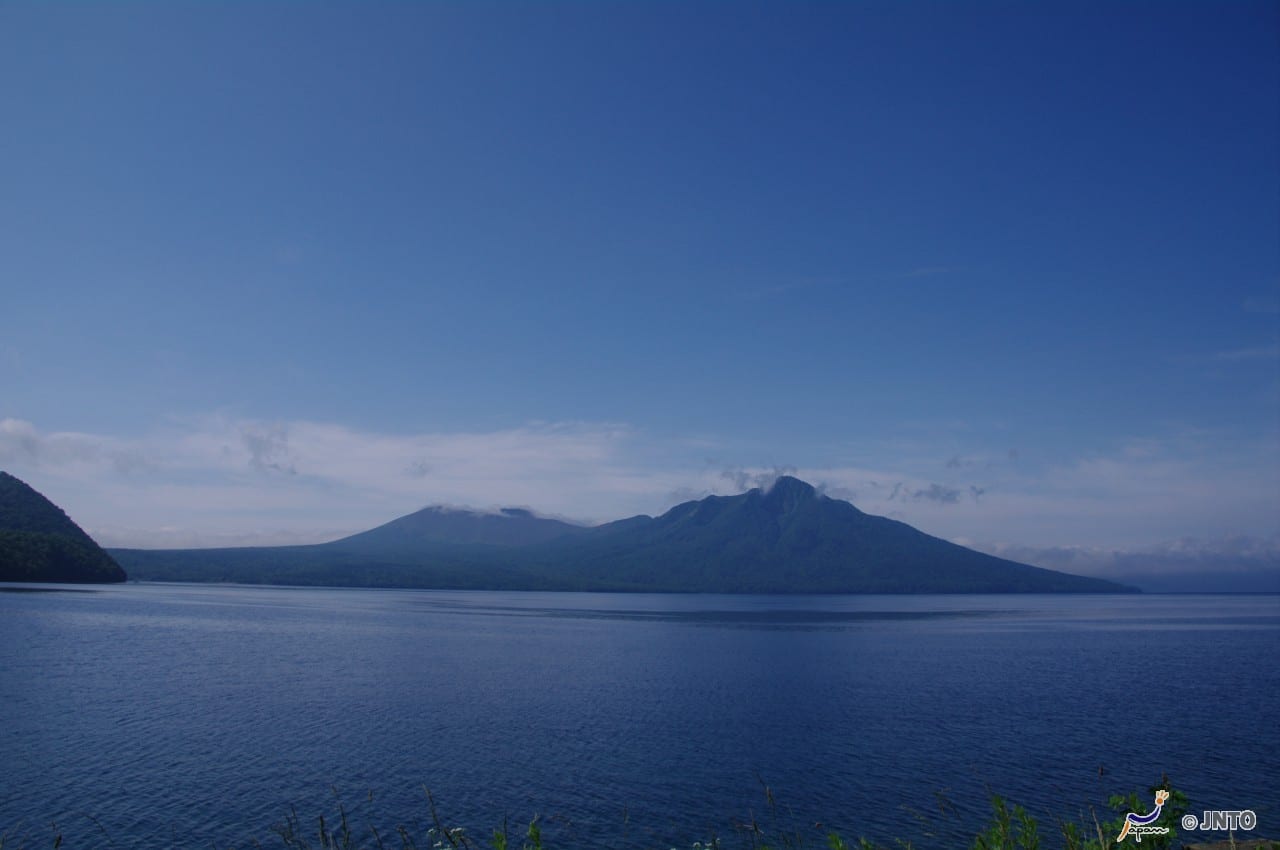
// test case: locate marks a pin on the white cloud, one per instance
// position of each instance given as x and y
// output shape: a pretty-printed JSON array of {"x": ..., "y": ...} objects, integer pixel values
[
  {"x": 1262, "y": 304},
  {"x": 222, "y": 480},
  {"x": 927, "y": 271},
  {"x": 1194, "y": 484},
  {"x": 1239, "y": 355},
  {"x": 238, "y": 481}
]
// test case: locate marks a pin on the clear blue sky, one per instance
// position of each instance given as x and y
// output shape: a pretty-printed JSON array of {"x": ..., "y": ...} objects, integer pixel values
[{"x": 276, "y": 271}]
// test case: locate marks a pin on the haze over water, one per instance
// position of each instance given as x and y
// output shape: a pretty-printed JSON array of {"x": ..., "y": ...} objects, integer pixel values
[{"x": 184, "y": 715}]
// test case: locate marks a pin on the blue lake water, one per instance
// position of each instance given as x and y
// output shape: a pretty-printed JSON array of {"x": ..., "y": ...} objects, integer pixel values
[{"x": 197, "y": 716}]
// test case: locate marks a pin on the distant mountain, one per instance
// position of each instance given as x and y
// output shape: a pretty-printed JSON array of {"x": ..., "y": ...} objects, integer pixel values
[
  {"x": 40, "y": 543},
  {"x": 433, "y": 526},
  {"x": 788, "y": 539},
  {"x": 791, "y": 539}
]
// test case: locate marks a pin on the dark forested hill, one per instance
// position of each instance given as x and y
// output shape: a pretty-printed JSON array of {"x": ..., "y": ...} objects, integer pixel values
[
  {"x": 787, "y": 539},
  {"x": 38, "y": 542}
]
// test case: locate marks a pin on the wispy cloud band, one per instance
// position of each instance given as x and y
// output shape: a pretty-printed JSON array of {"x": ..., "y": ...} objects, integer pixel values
[{"x": 223, "y": 480}]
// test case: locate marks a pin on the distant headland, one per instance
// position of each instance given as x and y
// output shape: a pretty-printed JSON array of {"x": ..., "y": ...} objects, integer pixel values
[{"x": 40, "y": 543}]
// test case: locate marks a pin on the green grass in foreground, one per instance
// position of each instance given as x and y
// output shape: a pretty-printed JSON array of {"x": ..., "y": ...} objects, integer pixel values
[{"x": 1009, "y": 828}]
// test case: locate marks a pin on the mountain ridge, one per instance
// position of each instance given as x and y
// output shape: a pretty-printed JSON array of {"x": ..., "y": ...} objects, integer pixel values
[
  {"x": 785, "y": 539},
  {"x": 456, "y": 526}
]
